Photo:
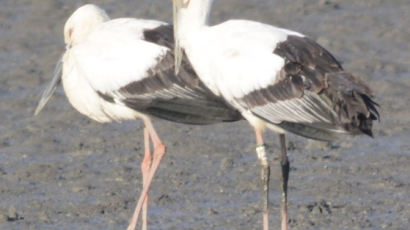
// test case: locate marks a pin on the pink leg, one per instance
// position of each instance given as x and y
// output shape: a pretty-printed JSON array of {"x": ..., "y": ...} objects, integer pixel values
[
  {"x": 159, "y": 152},
  {"x": 265, "y": 172},
  {"x": 145, "y": 168}
]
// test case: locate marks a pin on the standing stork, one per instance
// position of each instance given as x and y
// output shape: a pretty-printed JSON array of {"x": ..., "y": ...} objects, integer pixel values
[
  {"x": 123, "y": 69},
  {"x": 276, "y": 78}
]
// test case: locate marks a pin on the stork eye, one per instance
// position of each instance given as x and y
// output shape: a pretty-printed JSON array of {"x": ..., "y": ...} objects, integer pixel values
[{"x": 70, "y": 32}]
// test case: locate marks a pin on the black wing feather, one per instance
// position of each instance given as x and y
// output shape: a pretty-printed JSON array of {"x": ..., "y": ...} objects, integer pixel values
[
  {"x": 183, "y": 98},
  {"x": 313, "y": 96}
]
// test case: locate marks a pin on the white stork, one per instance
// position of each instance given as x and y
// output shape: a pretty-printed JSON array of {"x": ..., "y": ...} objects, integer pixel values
[
  {"x": 276, "y": 78},
  {"x": 123, "y": 69}
]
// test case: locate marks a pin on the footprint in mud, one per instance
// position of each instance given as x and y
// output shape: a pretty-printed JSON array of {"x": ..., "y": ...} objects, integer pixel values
[
  {"x": 319, "y": 208},
  {"x": 313, "y": 213}
]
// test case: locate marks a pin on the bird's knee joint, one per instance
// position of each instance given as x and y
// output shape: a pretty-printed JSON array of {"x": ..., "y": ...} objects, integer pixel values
[
  {"x": 160, "y": 146},
  {"x": 159, "y": 149},
  {"x": 146, "y": 165}
]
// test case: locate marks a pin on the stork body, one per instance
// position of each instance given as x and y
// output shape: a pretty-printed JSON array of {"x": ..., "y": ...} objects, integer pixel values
[
  {"x": 123, "y": 69},
  {"x": 277, "y": 78}
]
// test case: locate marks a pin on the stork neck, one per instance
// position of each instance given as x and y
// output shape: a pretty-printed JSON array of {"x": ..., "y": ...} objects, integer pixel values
[{"x": 194, "y": 16}]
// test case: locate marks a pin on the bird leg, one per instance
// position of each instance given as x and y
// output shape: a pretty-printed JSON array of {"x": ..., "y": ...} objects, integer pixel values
[
  {"x": 145, "y": 168},
  {"x": 265, "y": 172},
  {"x": 159, "y": 152},
  {"x": 284, "y": 163}
]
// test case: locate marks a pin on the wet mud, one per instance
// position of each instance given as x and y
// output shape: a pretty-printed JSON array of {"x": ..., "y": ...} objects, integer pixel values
[{"x": 60, "y": 170}]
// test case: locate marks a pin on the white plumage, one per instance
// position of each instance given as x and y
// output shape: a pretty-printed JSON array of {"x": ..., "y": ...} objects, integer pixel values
[
  {"x": 238, "y": 57},
  {"x": 123, "y": 69},
  {"x": 101, "y": 56},
  {"x": 276, "y": 78},
  {"x": 234, "y": 68},
  {"x": 111, "y": 50}
]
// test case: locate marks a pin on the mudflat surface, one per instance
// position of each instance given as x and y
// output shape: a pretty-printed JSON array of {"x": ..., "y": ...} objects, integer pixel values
[{"x": 62, "y": 171}]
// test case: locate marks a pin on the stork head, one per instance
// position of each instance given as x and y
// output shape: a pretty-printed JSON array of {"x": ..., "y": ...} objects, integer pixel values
[
  {"x": 82, "y": 22},
  {"x": 76, "y": 29}
]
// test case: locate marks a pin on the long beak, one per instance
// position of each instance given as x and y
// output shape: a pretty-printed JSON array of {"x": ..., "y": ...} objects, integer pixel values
[
  {"x": 48, "y": 92},
  {"x": 177, "y": 4}
]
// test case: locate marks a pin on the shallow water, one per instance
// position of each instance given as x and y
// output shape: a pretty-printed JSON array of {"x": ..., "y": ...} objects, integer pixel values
[{"x": 62, "y": 171}]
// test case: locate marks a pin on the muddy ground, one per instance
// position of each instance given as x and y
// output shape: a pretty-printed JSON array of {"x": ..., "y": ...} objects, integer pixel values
[{"x": 60, "y": 170}]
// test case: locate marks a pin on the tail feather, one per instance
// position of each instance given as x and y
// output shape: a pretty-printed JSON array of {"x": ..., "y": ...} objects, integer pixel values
[
  {"x": 352, "y": 101},
  {"x": 348, "y": 98},
  {"x": 319, "y": 132}
]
